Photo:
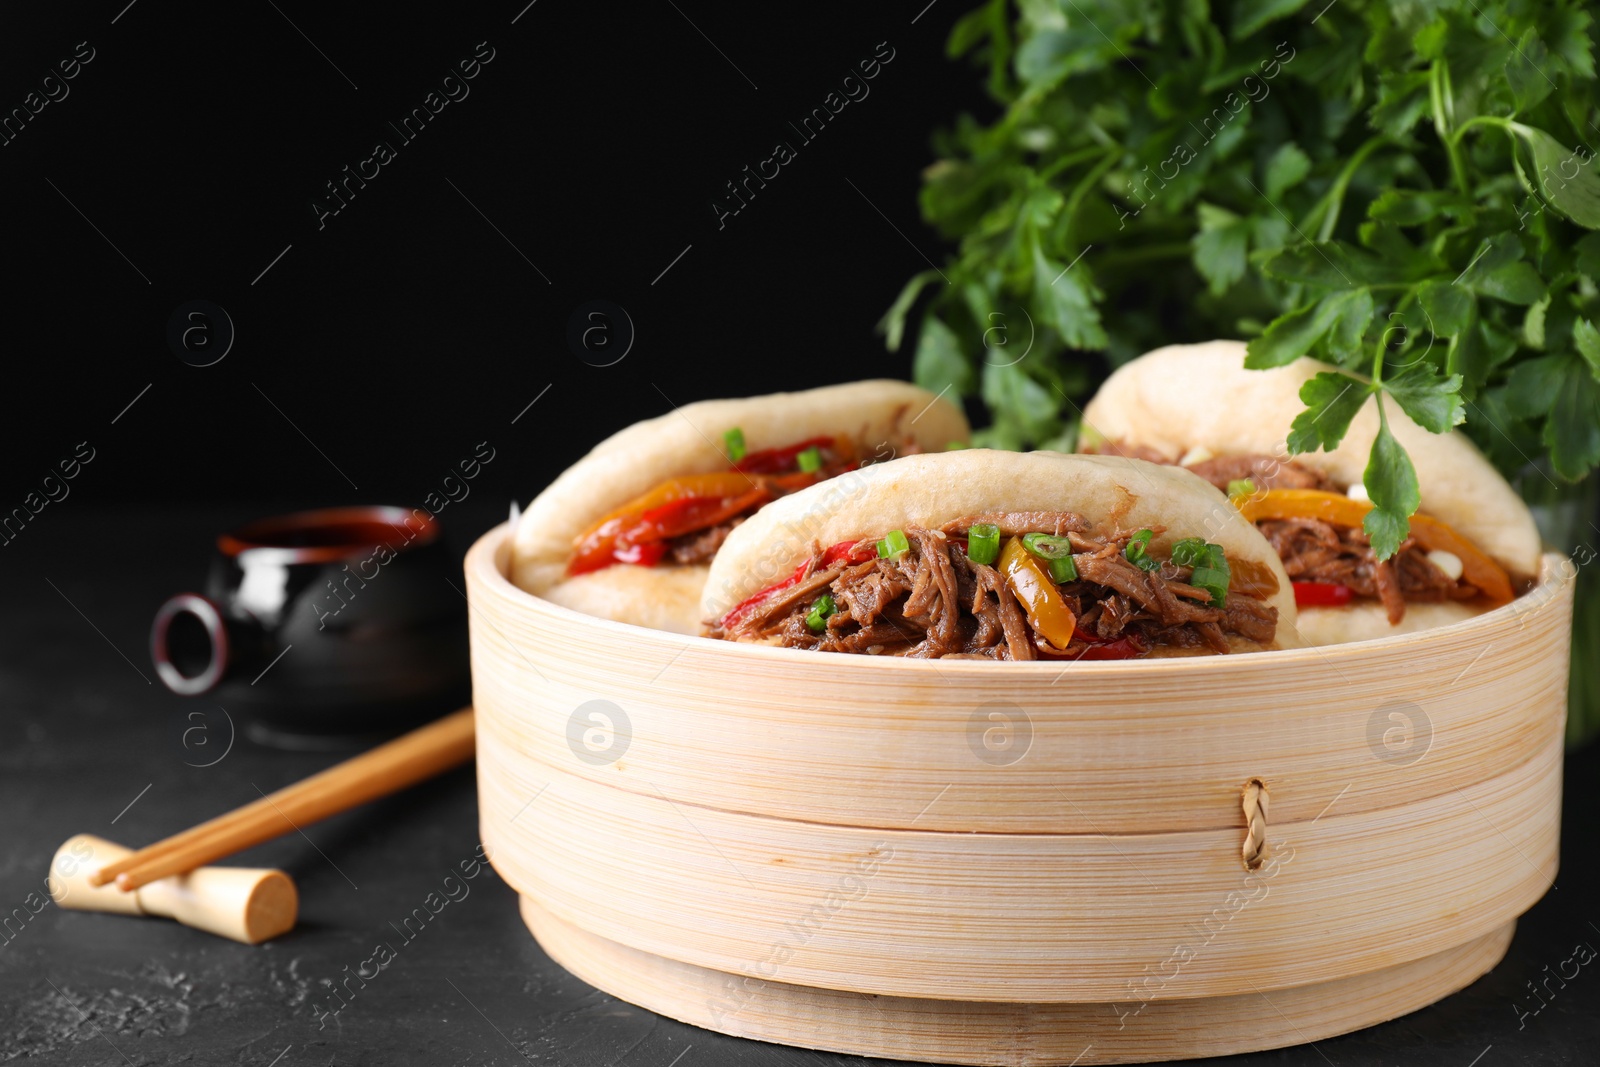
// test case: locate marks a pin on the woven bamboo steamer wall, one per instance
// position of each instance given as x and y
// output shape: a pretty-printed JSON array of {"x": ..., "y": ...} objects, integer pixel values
[
  {"x": 864, "y": 741},
  {"x": 690, "y": 846},
  {"x": 968, "y": 1032},
  {"x": 1026, "y": 917}
]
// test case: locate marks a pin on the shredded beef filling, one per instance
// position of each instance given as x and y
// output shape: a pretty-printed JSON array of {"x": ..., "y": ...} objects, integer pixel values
[
  {"x": 700, "y": 546},
  {"x": 1265, "y": 472},
  {"x": 934, "y": 602},
  {"x": 1317, "y": 551}
]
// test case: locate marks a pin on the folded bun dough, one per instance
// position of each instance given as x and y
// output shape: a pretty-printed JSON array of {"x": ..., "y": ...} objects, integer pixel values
[{"x": 1366, "y": 621}]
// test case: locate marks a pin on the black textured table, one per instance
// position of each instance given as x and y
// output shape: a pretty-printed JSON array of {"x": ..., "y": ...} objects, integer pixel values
[{"x": 91, "y": 747}]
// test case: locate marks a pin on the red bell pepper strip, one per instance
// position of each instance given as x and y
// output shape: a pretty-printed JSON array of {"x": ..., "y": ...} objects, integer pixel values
[
  {"x": 848, "y": 552},
  {"x": 1321, "y": 594},
  {"x": 645, "y": 555},
  {"x": 693, "y": 502},
  {"x": 1121, "y": 648},
  {"x": 689, "y": 514},
  {"x": 596, "y": 547},
  {"x": 844, "y": 551},
  {"x": 778, "y": 460},
  {"x": 1098, "y": 648}
]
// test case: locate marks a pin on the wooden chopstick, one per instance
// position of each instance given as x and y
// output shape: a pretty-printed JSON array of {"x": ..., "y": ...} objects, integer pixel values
[{"x": 386, "y": 769}]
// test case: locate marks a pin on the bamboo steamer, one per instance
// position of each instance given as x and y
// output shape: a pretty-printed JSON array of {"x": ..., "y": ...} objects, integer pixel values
[{"x": 993, "y": 859}]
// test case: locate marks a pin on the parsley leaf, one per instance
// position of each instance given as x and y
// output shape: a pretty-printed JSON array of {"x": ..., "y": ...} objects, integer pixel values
[
  {"x": 1220, "y": 247},
  {"x": 939, "y": 364},
  {"x": 1525, "y": 72},
  {"x": 1291, "y": 336},
  {"x": 1587, "y": 341},
  {"x": 1331, "y": 400},
  {"x": 893, "y": 323},
  {"x": 1008, "y": 388},
  {"x": 1572, "y": 432},
  {"x": 1450, "y": 308},
  {"x": 1067, "y": 298},
  {"x": 1432, "y": 400},
  {"x": 1565, "y": 177},
  {"x": 1286, "y": 168},
  {"x": 1516, "y": 283},
  {"x": 1391, "y": 482}
]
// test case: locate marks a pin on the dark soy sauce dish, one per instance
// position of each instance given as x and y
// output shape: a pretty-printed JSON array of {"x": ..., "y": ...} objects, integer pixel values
[{"x": 323, "y": 628}]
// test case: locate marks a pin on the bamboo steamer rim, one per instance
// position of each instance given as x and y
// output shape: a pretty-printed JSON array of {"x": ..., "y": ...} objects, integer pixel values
[
  {"x": 489, "y": 559},
  {"x": 997, "y": 1034}
]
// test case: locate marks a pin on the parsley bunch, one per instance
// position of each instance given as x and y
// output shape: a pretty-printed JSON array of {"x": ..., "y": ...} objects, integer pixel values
[{"x": 1401, "y": 188}]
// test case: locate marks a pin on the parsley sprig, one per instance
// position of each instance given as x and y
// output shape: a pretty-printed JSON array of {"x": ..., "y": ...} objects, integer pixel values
[{"x": 1404, "y": 190}]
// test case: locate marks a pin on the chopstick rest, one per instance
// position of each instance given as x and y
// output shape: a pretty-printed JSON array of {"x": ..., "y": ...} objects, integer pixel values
[
  {"x": 246, "y": 904},
  {"x": 405, "y": 761}
]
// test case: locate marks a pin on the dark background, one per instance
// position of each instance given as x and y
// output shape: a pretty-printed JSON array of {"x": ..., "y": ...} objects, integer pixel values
[
  {"x": 368, "y": 360},
  {"x": 407, "y": 329}
]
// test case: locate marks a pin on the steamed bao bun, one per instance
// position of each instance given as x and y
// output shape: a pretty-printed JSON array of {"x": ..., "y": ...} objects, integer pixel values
[
  {"x": 878, "y": 415},
  {"x": 1186, "y": 396}
]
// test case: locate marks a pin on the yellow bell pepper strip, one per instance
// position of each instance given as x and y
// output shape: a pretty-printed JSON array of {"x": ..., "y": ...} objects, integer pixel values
[
  {"x": 1046, "y": 607},
  {"x": 1477, "y": 569}
]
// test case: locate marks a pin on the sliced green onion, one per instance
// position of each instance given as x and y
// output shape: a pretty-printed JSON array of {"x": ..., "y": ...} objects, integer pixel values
[
  {"x": 1137, "y": 552},
  {"x": 954, "y": 446},
  {"x": 1047, "y": 546},
  {"x": 894, "y": 544},
  {"x": 1213, "y": 580},
  {"x": 1213, "y": 576},
  {"x": 733, "y": 444},
  {"x": 1241, "y": 487},
  {"x": 983, "y": 543},
  {"x": 1210, "y": 567},
  {"x": 810, "y": 460},
  {"x": 1056, "y": 551},
  {"x": 1190, "y": 552},
  {"x": 817, "y": 617}
]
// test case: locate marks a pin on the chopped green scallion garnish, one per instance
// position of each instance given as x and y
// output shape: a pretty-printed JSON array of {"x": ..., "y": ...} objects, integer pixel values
[
  {"x": 1210, "y": 567},
  {"x": 1055, "y": 551},
  {"x": 954, "y": 446},
  {"x": 817, "y": 617},
  {"x": 1190, "y": 552},
  {"x": 1137, "y": 552},
  {"x": 810, "y": 460},
  {"x": 1212, "y": 575},
  {"x": 1047, "y": 546},
  {"x": 1213, "y": 580},
  {"x": 983, "y": 543},
  {"x": 893, "y": 544},
  {"x": 1241, "y": 487},
  {"x": 733, "y": 444}
]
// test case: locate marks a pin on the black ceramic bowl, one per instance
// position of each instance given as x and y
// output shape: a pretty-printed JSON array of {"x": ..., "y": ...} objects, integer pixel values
[{"x": 323, "y": 627}]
